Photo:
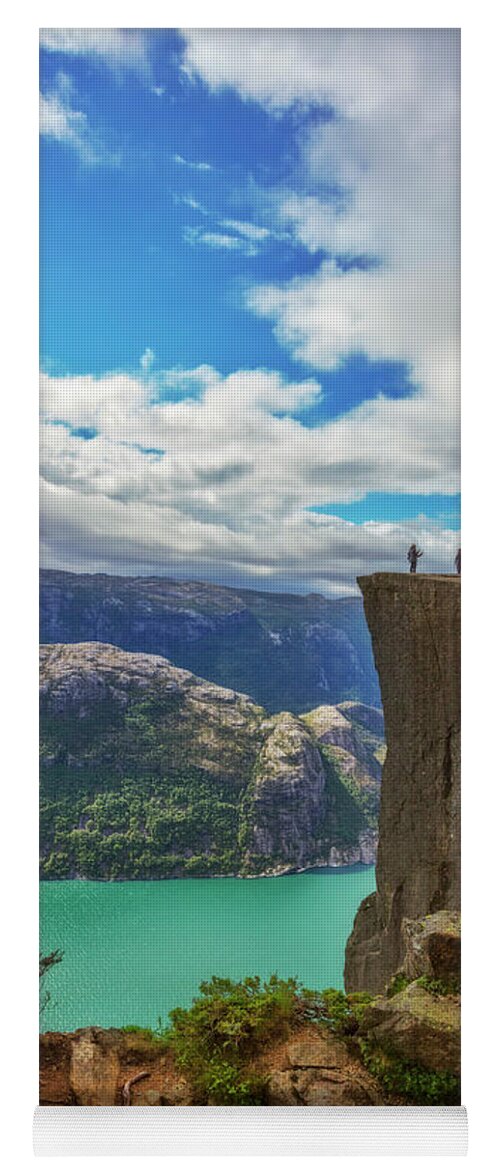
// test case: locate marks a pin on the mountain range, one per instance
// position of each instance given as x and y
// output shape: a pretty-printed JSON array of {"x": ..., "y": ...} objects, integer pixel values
[{"x": 287, "y": 651}]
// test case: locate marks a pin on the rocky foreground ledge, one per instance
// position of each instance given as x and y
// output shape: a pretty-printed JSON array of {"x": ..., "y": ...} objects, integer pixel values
[
  {"x": 393, "y": 1049},
  {"x": 107, "y": 1067}
]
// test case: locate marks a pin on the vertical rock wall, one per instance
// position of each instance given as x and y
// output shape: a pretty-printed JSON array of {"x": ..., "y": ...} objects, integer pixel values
[{"x": 415, "y": 627}]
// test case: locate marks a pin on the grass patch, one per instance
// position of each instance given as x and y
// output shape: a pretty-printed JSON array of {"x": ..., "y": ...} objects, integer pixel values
[
  {"x": 440, "y": 987},
  {"x": 422, "y": 1087},
  {"x": 398, "y": 984}
]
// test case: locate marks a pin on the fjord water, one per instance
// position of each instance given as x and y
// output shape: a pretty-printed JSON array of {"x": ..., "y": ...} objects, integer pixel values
[{"x": 135, "y": 950}]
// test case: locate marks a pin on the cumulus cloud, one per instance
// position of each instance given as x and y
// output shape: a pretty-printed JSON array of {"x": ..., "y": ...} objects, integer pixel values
[
  {"x": 194, "y": 473},
  {"x": 229, "y": 497},
  {"x": 383, "y": 177},
  {"x": 119, "y": 49},
  {"x": 350, "y": 69}
]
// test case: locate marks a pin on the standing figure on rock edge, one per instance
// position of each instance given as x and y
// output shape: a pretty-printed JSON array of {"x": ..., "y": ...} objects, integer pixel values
[{"x": 413, "y": 555}]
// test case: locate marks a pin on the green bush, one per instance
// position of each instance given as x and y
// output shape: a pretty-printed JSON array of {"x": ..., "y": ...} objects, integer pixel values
[
  {"x": 230, "y": 1023},
  {"x": 398, "y": 984},
  {"x": 440, "y": 987},
  {"x": 337, "y": 1011},
  {"x": 226, "y": 1085},
  {"x": 225, "y": 1027},
  {"x": 424, "y": 1087}
]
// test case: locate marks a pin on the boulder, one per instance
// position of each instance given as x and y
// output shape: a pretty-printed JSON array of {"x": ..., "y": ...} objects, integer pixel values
[
  {"x": 432, "y": 946},
  {"x": 321, "y": 1071},
  {"x": 94, "y": 1068},
  {"x": 148, "y": 1098},
  {"x": 417, "y": 1026}
]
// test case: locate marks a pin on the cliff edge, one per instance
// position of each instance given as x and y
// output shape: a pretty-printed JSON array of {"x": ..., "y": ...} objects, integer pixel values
[{"x": 414, "y": 622}]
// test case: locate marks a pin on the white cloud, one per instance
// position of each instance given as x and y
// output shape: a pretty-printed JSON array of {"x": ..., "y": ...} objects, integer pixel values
[
  {"x": 353, "y": 70},
  {"x": 249, "y": 231},
  {"x": 387, "y": 166},
  {"x": 119, "y": 49},
  {"x": 194, "y": 166},
  {"x": 238, "y": 236},
  {"x": 230, "y": 495},
  {"x": 64, "y": 124},
  {"x": 190, "y": 201},
  {"x": 147, "y": 359},
  {"x": 195, "y": 236}
]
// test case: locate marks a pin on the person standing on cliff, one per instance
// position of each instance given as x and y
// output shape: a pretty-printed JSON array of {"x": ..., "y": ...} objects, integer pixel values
[
  {"x": 458, "y": 561},
  {"x": 413, "y": 555}
]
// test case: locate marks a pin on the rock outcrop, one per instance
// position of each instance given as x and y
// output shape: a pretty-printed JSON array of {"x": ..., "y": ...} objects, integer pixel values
[
  {"x": 419, "y": 1027},
  {"x": 110, "y": 1067},
  {"x": 288, "y": 793},
  {"x": 363, "y": 852},
  {"x": 319, "y": 1070},
  {"x": 333, "y": 727},
  {"x": 433, "y": 947},
  {"x": 415, "y": 627},
  {"x": 418, "y": 1018}
]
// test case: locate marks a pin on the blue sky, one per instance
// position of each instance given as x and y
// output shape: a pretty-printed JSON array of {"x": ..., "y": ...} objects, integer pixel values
[{"x": 247, "y": 282}]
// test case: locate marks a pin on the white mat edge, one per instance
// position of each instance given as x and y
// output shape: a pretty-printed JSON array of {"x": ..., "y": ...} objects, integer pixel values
[{"x": 250, "y": 1130}]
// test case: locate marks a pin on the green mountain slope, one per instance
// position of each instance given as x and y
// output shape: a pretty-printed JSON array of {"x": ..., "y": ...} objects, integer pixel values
[{"x": 149, "y": 771}]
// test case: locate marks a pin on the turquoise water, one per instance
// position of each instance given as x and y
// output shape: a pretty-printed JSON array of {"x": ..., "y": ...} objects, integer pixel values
[{"x": 135, "y": 950}]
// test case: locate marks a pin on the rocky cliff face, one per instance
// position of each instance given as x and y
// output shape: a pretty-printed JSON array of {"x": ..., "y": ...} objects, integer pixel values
[
  {"x": 288, "y": 793},
  {"x": 148, "y": 771},
  {"x": 415, "y": 627},
  {"x": 284, "y": 650}
]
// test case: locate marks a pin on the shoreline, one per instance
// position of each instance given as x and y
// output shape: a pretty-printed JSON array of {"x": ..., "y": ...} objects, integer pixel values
[{"x": 315, "y": 868}]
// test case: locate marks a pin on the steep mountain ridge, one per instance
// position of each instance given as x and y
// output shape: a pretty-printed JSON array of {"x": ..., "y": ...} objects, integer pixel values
[
  {"x": 287, "y": 651},
  {"x": 149, "y": 771}
]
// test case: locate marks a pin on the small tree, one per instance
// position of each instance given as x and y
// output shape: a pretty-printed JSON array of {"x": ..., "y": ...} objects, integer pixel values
[{"x": 45, "y": 964}]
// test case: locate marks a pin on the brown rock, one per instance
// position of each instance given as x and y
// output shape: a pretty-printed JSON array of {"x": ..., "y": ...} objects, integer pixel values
[
  {"x": 94, "y": 1069},
  {"x": 433, "y": 946},
  {"x": 55, "y": 1055},
  {"x": 419, "y": 1027},
  {"x": 316, "y": 1052},
  {"x": 147, "y": 1098},
  {"x": 322, "y": 1088},
  {"x": 415, "y": 626},
  {"x": 177, "y": 1092},
  {"x": 324, "y": 1072},
  {"x": 281, "y": 1089}
]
